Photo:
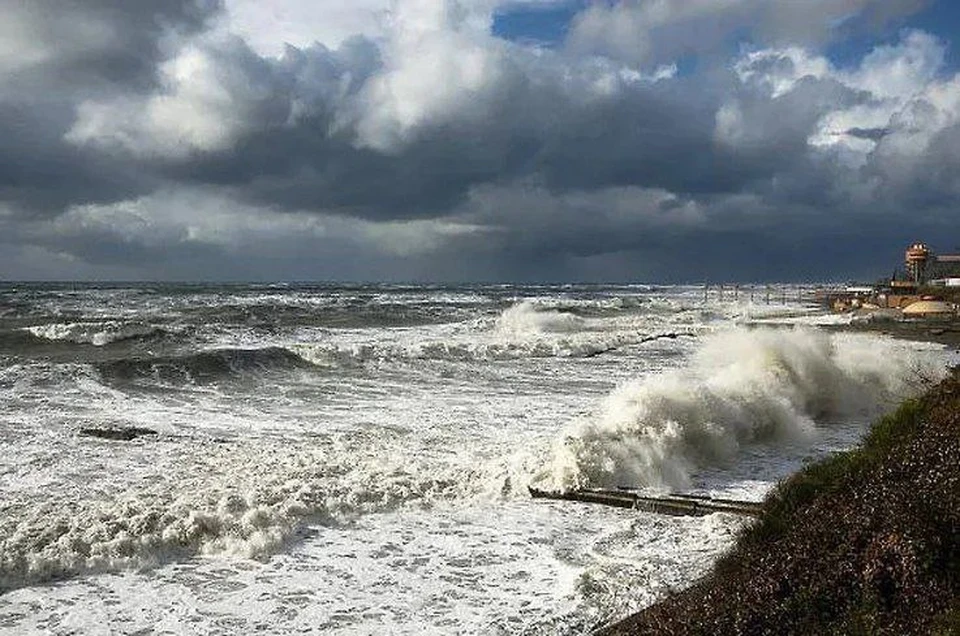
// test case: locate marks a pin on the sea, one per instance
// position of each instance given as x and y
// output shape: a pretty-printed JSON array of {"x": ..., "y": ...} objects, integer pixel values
[{"x": 355, "y": 459}]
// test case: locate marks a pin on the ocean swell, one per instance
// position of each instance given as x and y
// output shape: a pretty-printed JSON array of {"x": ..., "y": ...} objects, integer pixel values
[
  {"x": 201, "y": 367},
  {"x": 743, "y": 386}
]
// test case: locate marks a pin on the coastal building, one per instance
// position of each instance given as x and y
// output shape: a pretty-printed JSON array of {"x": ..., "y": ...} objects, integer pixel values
[
  {"x": 924, "y": 267},
  {"x": 917, "y": 258},
  {"x": 909, "y": 289},
  {"x": 945, "y": 270}
]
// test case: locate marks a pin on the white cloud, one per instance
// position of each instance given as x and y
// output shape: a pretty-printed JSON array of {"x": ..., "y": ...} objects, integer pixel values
[
  {"x": 210, "y": 94},
  {"x": 441, "y": 65},
  {"x": 653, "y": 32},
  {"x": 897, "y": 105},
  {"x": 269, "y": 26},
  {"x": 902, "y": 70},
  {"x": 434, "y": 64},
  {"x": 439, "y": 62},
  {"x": 918, "y": 123},
  {"x": 907, "y": 101},
  {"x": 778, "y": 70}
]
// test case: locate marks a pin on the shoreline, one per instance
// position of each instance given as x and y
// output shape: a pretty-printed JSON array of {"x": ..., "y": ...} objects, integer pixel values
[
  {"x": 718, "y": 596},
  {"x": 945, "y": 332}
]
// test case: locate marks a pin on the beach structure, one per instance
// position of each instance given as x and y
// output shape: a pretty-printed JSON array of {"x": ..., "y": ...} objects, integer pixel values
[{"x": 929, "y": 309}]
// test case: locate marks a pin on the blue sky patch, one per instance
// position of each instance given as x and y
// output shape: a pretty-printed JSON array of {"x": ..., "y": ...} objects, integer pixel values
[
  {"x": 545, "y": 25},
  {"x": 548, "y": 26}
]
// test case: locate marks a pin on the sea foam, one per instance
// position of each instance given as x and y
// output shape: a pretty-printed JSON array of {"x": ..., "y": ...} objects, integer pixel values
[{"x": 243, "y": 500}]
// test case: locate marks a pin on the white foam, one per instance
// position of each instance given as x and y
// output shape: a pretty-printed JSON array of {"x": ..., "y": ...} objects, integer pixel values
[
  {"x": 448, "y": 569},
  {"x": 242, "y": 500}
]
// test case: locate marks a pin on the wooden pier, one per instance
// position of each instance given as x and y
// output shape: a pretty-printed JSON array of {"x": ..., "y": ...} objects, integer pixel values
[
  {"x": 783, "y": 294},
  {"x": 674, "y": 504}
]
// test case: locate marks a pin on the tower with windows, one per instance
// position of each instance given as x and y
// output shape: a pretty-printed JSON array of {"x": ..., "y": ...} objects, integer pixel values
[{"x": 917, "y": 258}]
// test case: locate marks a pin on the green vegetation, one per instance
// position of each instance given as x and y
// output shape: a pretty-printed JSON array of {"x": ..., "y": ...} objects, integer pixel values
[
  {"x": 863, "y": 542},
  {"x": 831, "y": 474}
]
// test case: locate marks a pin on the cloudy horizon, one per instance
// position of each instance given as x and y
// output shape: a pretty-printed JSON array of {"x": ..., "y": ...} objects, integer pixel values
[{"x": 476, "y": 140}]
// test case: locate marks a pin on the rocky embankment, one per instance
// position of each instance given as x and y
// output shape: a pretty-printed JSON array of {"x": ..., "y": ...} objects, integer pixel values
[{"x": 865, "y": 542}]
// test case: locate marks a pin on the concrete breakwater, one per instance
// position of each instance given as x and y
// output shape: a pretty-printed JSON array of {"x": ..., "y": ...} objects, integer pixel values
[{"x": 674, "y": 504}]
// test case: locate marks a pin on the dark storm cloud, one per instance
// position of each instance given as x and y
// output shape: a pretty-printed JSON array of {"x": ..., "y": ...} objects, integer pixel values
[
  {"x": 439, "y": 152},
  {"x": 79, "y": 42},
  {"x": 652, "y": 134},
  {"x": 40, "y": 174},
  {"x": 57, "y": 53}
]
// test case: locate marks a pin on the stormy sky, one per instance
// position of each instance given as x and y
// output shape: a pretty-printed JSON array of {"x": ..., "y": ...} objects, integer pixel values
[{"x": 476, "y": 140}]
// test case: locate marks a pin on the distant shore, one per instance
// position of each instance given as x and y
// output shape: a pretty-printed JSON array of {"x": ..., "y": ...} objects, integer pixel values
[
  {"x": 945, "y": 332},
  {"x": 862, "y": 542}
]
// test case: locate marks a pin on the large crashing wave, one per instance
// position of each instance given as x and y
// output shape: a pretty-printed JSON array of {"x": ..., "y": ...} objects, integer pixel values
[{"x": 743, "y": 386}]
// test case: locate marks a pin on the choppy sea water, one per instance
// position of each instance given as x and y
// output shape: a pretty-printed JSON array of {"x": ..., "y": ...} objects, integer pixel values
[{"x": 355, "y": 459}]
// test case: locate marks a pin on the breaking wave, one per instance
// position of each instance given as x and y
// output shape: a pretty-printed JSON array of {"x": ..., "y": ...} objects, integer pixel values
[
  {"x": 526, "y": 319},
  {"x": 523, "y": 330},
  {"x": 201, "y": 367},
  {"x": 743, "y": 386},
  {"x": 462, "y": 350},
  {"x": 96, "y": 333},
  {"x": 360, "y": 354}
]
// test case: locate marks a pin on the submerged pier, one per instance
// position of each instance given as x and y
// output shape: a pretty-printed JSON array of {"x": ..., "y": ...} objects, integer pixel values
[{"x": 674, "y": 504}]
